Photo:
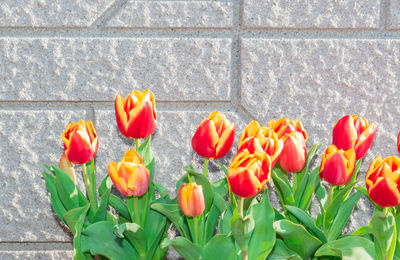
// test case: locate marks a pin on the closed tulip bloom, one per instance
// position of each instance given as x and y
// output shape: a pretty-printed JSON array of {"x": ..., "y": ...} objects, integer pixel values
[
  {"x": 294, "y": 154},
  {"x": 130, "y": 176},
  {"x": 80, "y": 141},
  {"x": 136, "y": 115},
  {"x": 337, "y": 166},
  {"x": 248, "y": 173},
  {"x": 354, "y": 132},
  {"x": 214, "y": 136},
  {"x": 261, "y": 139},
  {"x": 383, "y": 180},
  {"x": 67, "y": 167},
  {"x": 191, "y": 199},
  {"x": 286, "y": 126}
]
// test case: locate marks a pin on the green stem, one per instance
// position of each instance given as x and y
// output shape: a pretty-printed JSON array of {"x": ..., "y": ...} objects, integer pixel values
[
  {"x": 205, "y": 167},
  {"x": 137, "y": 214},
  {"x": 137, "y": 144},
  {"x": 241, "y": 204},
  {"x": 189, "y": 178},
  {"x": 330, "y": 196},
  {"x": 196, "y": 230},
  {"x": 88, "y": 187}
]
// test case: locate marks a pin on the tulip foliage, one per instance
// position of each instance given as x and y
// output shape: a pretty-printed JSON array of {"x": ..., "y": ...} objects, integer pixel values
[{"x": 230, "y": 218}]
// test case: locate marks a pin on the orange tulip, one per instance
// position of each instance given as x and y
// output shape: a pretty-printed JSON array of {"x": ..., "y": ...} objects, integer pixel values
[
  {"x": 130, "y": 176},
  {"x": 337, "y": 166},
  {"x": 286, "y": 126},
  {"x": 261, "y": 139},
  {"x": 191, "y": 199},
  {"x": 136, "y": 115},
  {"x": 80, "y": 141},
  {"x": 67, "y": 167},
  {"x": 214, "y": 136},
  {"x": 248, "y": 173},
  {"x": 383, "y": 180},
  {"x": 398, "y": 142},
  {"x": 294, "y": 154},
  {"x": 354, "y": 132}
]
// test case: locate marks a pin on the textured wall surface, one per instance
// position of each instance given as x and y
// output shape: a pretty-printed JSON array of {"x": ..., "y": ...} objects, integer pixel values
[{"x": 63, "y": 60}]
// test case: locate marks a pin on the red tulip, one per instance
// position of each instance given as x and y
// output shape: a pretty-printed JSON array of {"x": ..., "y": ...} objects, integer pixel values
[
  {"x": 191, "y": 199},
  {"x": 214, "y": 136},
  {"x": 294, "y": 154},
  {"x": 248, "y": 173},
  {"x": 130, "y": 176},
  {"x": 80, "y": 141},
  {"x": 354, "y": 132},
  {"x": 286, "y": 126},
  {"x": 383, "y": 180},
  {"x": 398, "y": 142},
  {"x": 337, "y": 166},
  {"x": 261, "y": 139},
  {"x": 136, "y": 115}
]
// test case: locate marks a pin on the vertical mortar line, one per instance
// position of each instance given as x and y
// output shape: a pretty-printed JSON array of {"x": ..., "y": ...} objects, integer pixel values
[{"x": 383, "y": 15}]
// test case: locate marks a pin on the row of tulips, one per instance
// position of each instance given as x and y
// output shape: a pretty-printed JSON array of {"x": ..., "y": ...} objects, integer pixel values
[{"x": 232, "y": 217}]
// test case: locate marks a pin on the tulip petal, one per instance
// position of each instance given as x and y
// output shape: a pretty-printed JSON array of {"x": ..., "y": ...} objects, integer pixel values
[
  {"x": 80, "y": 149},
  {"x": 243, "y": 182},
  {"x": 294, "y": 153},
  {"x": 334, "y": 169},
  {"x": 225, "y": 141},
  {"x": 141, "y": 121},
  {"x": 385, "y": 193},
  {"x": 205, "y": 139},
  {"x": 344, "y": 133},
  {"x": 196, "y": 203},
  {"x": 365, "y": 141},
  {"x": 118, "y": 182},
  {"x": 121, "y": 115},
  {"x": 139, "y": 177}
]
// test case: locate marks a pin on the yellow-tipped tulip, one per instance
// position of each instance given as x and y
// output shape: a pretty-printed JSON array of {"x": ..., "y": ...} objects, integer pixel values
[{"x": 191, "y": 199}]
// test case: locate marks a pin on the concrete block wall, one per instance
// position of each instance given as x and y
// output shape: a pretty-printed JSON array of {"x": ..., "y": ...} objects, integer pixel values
[{"x": 65, "y": 60}]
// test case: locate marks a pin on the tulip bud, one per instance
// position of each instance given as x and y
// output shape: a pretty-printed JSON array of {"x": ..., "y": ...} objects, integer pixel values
[
  {"x": 248, "y": 173},
  {"x": 354, "y": 132},
  {"x": 286, "y": 126},
  {"x": 80, "y": 141},
  {"x": 337, "y": 166},
  {"x": 382, "y": 181},
  {"x": 67, "y": 167},
  {"x": 214, "y": 136},
  {"x": 294, "y": 154},
  {"x": 191, "y": 199},
  {"x": 130, "y": 176},
  {"x": 136, "y": 115},
  {"x": 262, "y": 140}
]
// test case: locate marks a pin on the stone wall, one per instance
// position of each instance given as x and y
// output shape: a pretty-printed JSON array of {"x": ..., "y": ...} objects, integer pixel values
[{"x": 63, "y": 60}]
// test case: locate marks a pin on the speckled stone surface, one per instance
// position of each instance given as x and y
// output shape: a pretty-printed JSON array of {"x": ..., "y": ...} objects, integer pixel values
[
  {"x": 394, "y": 14},
  {"x": 95, "y": 69},
  {"x": 44, "y": 255},
  {"x": 51, "y": 13},
  {"x": 311, "y": 13},
  {"x": 162, "y": 14}
]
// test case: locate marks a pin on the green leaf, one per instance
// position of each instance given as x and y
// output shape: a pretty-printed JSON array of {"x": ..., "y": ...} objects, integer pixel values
[
  {"x": 223, "y": 224},
  {"x": 221, "y": 187},
  {"x": 297, "y": 238},
  {"x": 92, "y": 179},
  {"x": 280, "y": 252},
  {"x": 174, "y": 214},
  {"x": 217, "y": 209},
  {"x": 184, "y": 247},
  {"x": 106, "y": 184},
  {"x": 307, "y": 221},
  {"x": 161, "y": 189},
  {"x": 135, "y": 234},
  {"x": 200, "y": 179},
  {"x": 263, "y": 237},
  {"x": 305, "y": 201},
  {"x": 99, "y": 239},
  {"x": 58, "y": 207},
  {"x": 242, "y": 229},
  {"x": 220, "y": 247},
  {"x": 283, "y": 187},
  {"x": 351, "y": 247},
  {"x": 101, "y": 213},
  {"x": 147, "y": 155},
  {"x": 343, "y": 215},
  {"x": 66, "y": 189},
  {"x": 119, "y": 205},
  {"x": 75, "y": 219},
  {"x": 383, "y": 228},
  {"x": 333, "y": 208}
]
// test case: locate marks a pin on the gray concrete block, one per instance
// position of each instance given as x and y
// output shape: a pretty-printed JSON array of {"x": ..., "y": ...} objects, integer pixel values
[
  {"x": 171, "y": 144},
  {"x": 165, "y": 14},
  {"x": 49, "y": 13},
  {"x": 319, "y": 81},
  {"x": 394, "y": 15},
  {"x": 29, "y": 139},
  {"x": 311, "y": 14},
  {"x": 38, "y": 255},
  {"x": 95, "y": 69}
]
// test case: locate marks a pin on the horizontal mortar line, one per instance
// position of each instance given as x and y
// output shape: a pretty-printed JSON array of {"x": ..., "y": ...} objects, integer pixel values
[{"x": 35, "y": 246}]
